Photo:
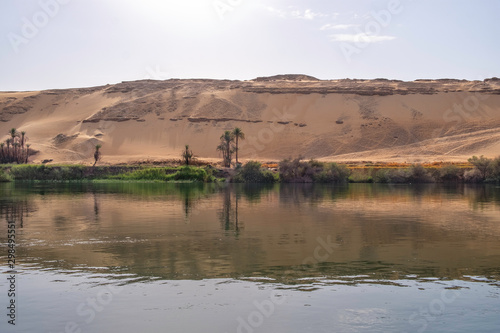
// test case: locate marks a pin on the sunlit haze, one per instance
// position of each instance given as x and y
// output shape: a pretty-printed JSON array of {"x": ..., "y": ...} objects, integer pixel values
[{"x": 75, "y": 43}]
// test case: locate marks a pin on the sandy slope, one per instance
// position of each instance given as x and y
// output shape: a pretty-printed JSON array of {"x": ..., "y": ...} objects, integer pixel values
[{"x": 354, "y": 120}]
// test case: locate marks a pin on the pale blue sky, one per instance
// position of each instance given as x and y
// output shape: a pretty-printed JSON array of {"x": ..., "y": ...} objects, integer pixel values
[{"x": 76, "y": 43}]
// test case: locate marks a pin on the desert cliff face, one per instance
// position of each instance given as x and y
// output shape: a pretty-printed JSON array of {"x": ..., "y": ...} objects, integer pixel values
[{"x": 282, "y": 116}]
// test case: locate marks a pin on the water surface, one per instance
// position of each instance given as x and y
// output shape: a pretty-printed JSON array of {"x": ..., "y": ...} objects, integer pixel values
[{"x": 128, "y": 257}]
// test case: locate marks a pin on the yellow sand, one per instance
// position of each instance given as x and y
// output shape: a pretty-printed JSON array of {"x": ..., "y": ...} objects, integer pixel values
[{"x": 342, "y": 120}]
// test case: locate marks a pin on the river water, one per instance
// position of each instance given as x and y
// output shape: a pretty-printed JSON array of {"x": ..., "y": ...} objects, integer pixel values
[{"x": 145, "y": 257}]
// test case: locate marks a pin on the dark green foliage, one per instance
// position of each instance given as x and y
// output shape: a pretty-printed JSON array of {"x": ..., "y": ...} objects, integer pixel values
[
  {"x": 316, "y": 164},
  {"x": 80, "y": 172},
  {"x": 252, "y": 172},
  {"x": 297, "y": 171},
  {"x": 418, "y": 174},
  {"x": 332, "y": 173},
  {"x": 494, "y": 169},
  {"x": 473, "y": 176},
  {"x": 391, "y": 176},
  {"x": 14, "y": 149},
  {"x": 66, "y": 172},
  {"x": 358, "y": 176},
  {"x": 415, "y": 174},
  {"x": 451, "y": 173},
  {"x": 46, "y": 172},
  {"x": 482, "y": 164},
  {"x": 190, "y": 174},
  {"x": 4, "y": 178}
]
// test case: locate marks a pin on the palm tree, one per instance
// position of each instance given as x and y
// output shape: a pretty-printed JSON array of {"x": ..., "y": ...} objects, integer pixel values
[
  {"x": 16, "y": 151},
  {"x": 13, "y": 149},
  {"x": 187, "y": 155},
  {"x": 222, "y": 148},
  {"x": 24, "y": 138},
  {"x": 27, "y": 152},
  {"x": 238, "y": 134},
  {"x": 13, "y": 133},
  {"x": 8, "y": 141},
  {"x": 97, "y": 154},
  {"x": 227, "y": 138}
]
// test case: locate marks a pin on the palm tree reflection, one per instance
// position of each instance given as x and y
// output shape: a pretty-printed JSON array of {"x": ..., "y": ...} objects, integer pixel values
[
  {"x": 228, "y": 215},
  {"x": 16, "y": 210}
]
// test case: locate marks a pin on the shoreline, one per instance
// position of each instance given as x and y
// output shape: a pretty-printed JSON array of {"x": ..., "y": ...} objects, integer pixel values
[{"x": 168, "y": 171}]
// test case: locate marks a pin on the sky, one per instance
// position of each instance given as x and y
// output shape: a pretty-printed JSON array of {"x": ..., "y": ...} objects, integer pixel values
[{"x": 52, "y": 44}]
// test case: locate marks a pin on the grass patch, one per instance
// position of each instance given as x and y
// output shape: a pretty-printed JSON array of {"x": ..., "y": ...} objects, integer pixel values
[
  {"x": 4, "y": 177},
  {"x": 49, "y": 173},
  {"x": 158, "y": 174},
  {"x": 185, "y": 173},
  {"x": 191, "y": 174}
]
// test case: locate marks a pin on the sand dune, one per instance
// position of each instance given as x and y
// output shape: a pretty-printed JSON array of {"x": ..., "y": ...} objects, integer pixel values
[{"x": 282, "y": 116}]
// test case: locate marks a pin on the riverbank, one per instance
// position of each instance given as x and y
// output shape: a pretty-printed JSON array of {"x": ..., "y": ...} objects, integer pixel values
[
  {"x": 286, "y": 171},
  {"x": 118, "y": 173}
]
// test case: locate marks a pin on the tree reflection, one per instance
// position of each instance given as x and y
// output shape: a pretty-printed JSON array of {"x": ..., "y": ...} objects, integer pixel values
[
  {"x": 16, "y": 209},
  {"x": 254, "y": 192},
  {"x": 298, "y": 194},
  {"x": 377, "y": 227},
  {"x": 191, "y": 195},
  {"x": 96, "y": 206},
  {"x": 227, "y": 214}
]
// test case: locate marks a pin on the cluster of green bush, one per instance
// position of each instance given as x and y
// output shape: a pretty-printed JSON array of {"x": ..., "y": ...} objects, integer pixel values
[
  {"x": 415, "y": 174},
  {"x": 289, "y": 171},
  {"x": 185, "y": 173},
  {"x": 46, "y": 172},
  {"x": 4, "y": 177},
  {"x": 80, "y": 172},
  {"x": 485, "y": 169},
  {"x": 253, "y": 172},
  {"x": 298, "y": 171}
]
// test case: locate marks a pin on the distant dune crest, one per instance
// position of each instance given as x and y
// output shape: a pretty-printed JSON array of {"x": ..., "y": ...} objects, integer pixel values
[{"x": 286, "y": 77}]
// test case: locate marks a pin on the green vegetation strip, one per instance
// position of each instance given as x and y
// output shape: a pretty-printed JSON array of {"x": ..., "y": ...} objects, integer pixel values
[{"x": 288, "y": 171}]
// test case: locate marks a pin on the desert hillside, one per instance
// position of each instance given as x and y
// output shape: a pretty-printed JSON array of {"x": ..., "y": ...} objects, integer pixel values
[{"x": 282, "y": 116}]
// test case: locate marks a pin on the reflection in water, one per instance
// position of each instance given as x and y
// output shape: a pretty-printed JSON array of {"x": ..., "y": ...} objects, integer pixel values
[
  {"x": 96, "y": 206},
  {"x": 228, "y": 215},
  {"x": 14, "y": 206},
  {"x": 380, "y": 231},
  {"x": 364, "y": 258}
]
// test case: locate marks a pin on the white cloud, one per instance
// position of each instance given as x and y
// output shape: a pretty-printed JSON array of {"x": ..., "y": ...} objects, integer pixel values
[
  {"x": 360, "y": 38},
  {"x": 310, "y": 15},
  {"x": 307, "y": 14},
  {"x": 338, "y": 26},
  {"x": 278, "y": 12}
]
